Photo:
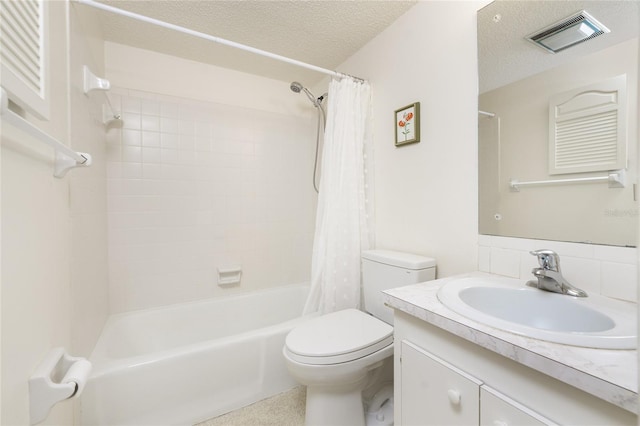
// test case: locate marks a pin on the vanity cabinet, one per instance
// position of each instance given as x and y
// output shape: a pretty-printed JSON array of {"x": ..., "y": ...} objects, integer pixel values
[
  {"x": 435, "y": 392},
  {"x": 443, "y": 379},
  {"x": 497, "y": 409}
]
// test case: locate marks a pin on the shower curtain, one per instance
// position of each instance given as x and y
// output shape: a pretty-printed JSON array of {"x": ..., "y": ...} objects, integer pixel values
[{"x": 344, "y": 219}]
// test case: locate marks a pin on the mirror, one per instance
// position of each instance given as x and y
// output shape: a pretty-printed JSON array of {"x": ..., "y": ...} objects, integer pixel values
[{"x": 566, "y": 191}]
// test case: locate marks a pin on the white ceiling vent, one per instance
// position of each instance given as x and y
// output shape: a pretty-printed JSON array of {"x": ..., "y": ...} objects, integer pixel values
[{"x": 568, "y": 32}]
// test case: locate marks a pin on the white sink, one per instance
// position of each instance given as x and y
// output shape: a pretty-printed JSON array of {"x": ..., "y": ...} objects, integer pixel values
[{"x": 509, "y": 305}]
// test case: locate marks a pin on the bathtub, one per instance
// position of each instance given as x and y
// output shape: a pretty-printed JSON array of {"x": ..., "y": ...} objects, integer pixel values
[{"x": 186, "y": 363}]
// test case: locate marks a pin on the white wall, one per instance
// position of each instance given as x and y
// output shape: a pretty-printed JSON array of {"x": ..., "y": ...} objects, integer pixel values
[
  {"x": 147, "y": 71},
  {"x": 35, "y": 247},
  {"x": 426, "y": 193},
  {"x": 87, "y": 186},
  {"x": 39, "y": 282},
  {"x": 208, "y": 178}
]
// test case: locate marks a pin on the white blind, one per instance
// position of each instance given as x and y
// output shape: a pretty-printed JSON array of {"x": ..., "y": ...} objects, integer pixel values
[
  {"x": 23, "y": 53},
  {"x": 590, "y": 140},
  {"x": 587, "y": 128}
]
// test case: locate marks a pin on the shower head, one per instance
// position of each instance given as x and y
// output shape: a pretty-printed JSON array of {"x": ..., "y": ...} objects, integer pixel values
[{"x": 297, "y": 88}]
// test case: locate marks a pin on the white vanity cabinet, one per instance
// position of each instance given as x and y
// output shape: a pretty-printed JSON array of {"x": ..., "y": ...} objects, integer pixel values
[
  {"x": 435, "y": 392},
  {"x": 444, "y": 379},
  {"x": 497, "y": 409}
]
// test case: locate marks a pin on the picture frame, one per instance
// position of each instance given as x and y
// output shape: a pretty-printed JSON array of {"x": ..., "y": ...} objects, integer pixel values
[{"x": 407, "y": 124}]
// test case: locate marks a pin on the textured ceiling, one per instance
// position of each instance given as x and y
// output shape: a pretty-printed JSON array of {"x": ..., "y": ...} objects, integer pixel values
[
  {"x": 322, "y": 33},
  {"x": 504, "y": 54}
]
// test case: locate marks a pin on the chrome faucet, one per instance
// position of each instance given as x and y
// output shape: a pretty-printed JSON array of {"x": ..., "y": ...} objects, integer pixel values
[{"x": 549, "y": 277}]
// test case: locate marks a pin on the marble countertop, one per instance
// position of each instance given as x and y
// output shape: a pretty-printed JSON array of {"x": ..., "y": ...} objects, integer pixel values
[{"x": 608, "y": 374}]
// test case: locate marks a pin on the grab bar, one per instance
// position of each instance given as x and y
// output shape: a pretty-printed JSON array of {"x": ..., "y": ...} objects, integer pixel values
[
  {"x": 616, "y": 179},
  {"x": 66, "y": 158}
]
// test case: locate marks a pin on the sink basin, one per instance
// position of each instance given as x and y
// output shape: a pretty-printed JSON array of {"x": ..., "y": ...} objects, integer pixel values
[
  {"x": 538, "y": 309},
  {"x": 509, "y": 305}
]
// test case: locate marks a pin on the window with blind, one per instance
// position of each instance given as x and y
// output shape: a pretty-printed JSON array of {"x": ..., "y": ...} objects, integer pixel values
[
  {"x": 23, "y": 54},
  {"x": 587, "y": 128}
]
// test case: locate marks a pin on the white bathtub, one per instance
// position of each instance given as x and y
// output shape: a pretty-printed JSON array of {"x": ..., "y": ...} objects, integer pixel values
[{"x": 185, "y": 363}]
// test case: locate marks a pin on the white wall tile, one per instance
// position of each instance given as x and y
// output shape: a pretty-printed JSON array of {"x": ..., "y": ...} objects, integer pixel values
[
  {"x": 150, "y": 123},
  {"x": 169, "y": 125},
  {"x": 203, "y": 143},
  {"x": 505, "y": 262},
  {"x": 170, "y": 156},
  {"x": 627, "y": 255},
  {"x": 151, "y": 139},
  {"x": 131, "y": 170},
  {"x": 586, "y": 251},
  {"x": 582, "y": 273},
  {"x": 514, "y": 243},
  {"x": 151, "y": 171},
  {"x": 131, "y": 137},
  {"x": 527, "y": 263},
  {"x": 611, "y": 271},
  {"x": 484, "y": 259},
  {"x": 620, "y": 280},
  {"x": 203, "y": 129},
  {"x": 484, "y": 240},
  {"x": 131, "y": 121},
  {"x": 131, "y": 154},
  {"x": 185, "y": 198},
  {"x": 187, "y": 127},
  {"x": 169, "y": 141},
  {"x": 151, "y": 155}
]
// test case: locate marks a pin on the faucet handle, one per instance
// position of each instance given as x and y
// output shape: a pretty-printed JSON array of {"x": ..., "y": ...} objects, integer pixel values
[{"x": 548, "y": 259}]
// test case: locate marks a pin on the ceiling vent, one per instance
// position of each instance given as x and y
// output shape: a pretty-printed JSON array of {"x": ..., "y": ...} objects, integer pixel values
[{"x": 568, "y": 32}]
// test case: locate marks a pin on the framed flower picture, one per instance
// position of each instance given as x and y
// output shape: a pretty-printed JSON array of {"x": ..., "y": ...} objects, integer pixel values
[{"x": 407, "y": 124}]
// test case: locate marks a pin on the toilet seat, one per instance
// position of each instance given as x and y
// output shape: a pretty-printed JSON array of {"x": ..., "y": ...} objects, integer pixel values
[{"x": 338, "y": 337}]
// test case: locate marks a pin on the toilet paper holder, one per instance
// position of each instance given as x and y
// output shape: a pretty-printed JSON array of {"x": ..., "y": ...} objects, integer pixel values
[{"x": 58, "y": 377}]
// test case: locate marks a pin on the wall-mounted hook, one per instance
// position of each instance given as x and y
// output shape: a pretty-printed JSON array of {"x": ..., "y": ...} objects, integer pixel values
[{"x": 93, "y": 82}]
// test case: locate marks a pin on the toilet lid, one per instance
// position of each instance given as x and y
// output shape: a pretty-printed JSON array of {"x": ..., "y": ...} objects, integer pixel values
[{"x": 338, "y": 337}]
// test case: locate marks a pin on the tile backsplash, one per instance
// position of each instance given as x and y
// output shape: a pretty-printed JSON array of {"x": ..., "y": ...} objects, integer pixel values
[{"x": 606, "y": 270}]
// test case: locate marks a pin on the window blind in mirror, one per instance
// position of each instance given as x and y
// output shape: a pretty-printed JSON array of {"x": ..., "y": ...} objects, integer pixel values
[{"x": 587, "y": 128}]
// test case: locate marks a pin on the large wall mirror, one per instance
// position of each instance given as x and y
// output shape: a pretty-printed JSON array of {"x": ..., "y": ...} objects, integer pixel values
[{"x": 558, "y": 132}]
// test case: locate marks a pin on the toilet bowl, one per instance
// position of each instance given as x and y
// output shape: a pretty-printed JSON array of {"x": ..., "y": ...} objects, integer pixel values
[{"x": 336, "y": 355}]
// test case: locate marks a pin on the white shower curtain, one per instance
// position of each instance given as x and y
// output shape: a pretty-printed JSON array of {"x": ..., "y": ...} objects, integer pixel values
[{"x": 344, "y": 215}]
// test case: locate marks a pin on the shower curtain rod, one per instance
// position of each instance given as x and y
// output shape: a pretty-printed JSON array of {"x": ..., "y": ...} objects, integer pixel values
[{"x": 214, "y": 39}]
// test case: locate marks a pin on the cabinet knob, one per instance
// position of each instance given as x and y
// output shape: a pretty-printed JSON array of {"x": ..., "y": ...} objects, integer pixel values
[{"x": 454, "y": 396}]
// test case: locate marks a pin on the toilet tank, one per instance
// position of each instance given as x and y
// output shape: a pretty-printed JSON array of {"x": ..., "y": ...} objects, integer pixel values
[{"x": 385, "y": 269}]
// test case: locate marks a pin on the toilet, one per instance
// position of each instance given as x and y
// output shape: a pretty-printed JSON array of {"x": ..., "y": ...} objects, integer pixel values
[{"x": 335, "y": 355}]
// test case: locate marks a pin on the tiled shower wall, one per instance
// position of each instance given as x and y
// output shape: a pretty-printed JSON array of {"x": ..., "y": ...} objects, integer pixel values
[{"x": 196, "y": 186}]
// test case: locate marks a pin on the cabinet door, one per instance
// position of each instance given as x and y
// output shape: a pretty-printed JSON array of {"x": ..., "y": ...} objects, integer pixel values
[
  {"x": 435, "y": 392},
  {"x": 497, "y": 409}
]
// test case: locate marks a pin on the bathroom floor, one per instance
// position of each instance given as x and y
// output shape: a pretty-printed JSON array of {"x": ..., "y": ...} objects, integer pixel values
[{"x": 285, "y": 409}]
